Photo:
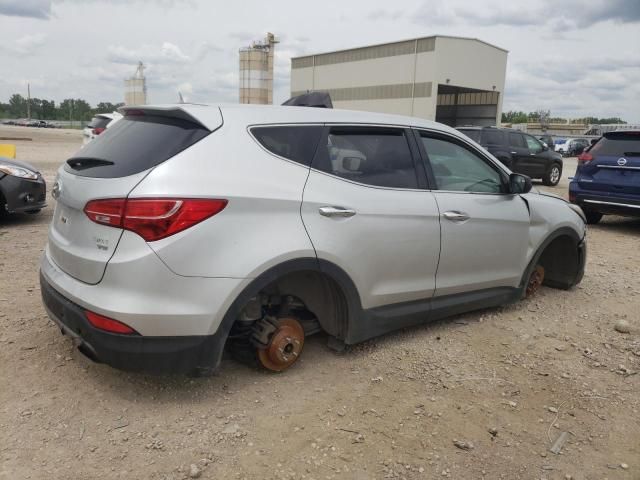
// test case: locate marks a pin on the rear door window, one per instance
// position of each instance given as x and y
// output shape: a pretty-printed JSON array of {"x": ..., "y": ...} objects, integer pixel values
[
  {"x": 491, "y": 137},
  {"x": 619, "y": 144},
  {"x": 517, "y": 140},
  {"x": 376, "y": 156},
  {"x": 294, "y": 142},
  {"x": 134, "y": 144}
]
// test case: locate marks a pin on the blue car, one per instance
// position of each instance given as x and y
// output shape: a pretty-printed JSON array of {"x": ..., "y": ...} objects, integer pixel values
[{"x": 607, "y": 180}]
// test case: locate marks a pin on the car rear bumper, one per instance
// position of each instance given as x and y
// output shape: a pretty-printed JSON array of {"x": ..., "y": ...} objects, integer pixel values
[
  {"x": 23, "y": 195},
  {"x": 609, "y": 203},
  {"x": 179, "y": 318},
  {"x": 170, "y": 354}
]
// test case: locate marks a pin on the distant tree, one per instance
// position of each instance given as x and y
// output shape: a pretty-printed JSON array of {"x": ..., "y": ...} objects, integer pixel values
[
  {"x": 514, "y": 117},
  {"x": 17, "y": 106},
  {"x": 107, "y": 107},
  {"x": 48, "y": 109},
  {"x": 74, "y": 109},
  {"x": 598, "y": 121}
]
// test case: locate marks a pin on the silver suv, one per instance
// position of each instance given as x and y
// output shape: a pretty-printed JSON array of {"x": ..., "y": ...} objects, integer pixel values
[{"x": 186, "y": 229}]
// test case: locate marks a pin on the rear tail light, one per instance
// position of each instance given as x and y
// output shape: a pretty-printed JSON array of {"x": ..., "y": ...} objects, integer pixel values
[
  {"x": 153, "y": 218},
  {"x": 109, "y": 324},
  {"x": 98, "y": 130},
  {"x": 572, "y": 197},
  {"x": 584, "y": 158}
]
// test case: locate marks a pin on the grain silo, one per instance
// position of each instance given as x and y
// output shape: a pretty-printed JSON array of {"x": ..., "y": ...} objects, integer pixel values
[
  {"x": 256, "y": 71},
  {"x": 135, "y": 88}
]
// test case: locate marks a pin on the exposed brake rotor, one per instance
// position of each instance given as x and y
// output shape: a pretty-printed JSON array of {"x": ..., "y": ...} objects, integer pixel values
[
  {"x": 535, "y": 280},
  {"x": 284, "y": 345}
]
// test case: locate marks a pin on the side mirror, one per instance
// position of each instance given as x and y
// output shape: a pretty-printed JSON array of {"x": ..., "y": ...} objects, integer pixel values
[
  {"x": 545, "y": 147},
  {"x": 519, "y": 183}
]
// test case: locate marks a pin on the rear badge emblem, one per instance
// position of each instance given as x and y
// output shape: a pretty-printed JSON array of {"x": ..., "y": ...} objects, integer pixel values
[{"x": 622, "y": 162}]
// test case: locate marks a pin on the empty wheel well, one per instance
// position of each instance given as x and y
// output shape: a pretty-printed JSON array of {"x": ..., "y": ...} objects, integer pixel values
[
  {"x": 320, "y": 294},
  {"x": 561, "y": 262}
]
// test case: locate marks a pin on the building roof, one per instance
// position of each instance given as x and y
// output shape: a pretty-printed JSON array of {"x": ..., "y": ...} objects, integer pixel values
[{"x": 403, "y": 41}]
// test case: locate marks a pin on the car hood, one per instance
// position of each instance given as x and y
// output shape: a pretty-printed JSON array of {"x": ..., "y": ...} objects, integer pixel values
[
  {"x": 537, "y": 191},
  {"x": 16, "y": 163}
]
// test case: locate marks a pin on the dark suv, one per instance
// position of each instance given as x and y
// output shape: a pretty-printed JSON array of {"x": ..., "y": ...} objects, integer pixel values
[
  {"x": 520, "y": 152},
  {"x": 607, "y": 179}
]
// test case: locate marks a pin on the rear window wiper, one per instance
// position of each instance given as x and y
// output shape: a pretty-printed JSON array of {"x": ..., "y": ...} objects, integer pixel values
[{"x": 82, "y": 163}]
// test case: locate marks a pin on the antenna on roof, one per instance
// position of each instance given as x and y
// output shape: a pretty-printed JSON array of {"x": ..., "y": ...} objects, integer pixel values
[{"x": 180, "y": 99}]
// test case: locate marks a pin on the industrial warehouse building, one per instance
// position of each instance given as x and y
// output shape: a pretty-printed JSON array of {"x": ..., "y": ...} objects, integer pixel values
[{"x": 453, "y": 80}]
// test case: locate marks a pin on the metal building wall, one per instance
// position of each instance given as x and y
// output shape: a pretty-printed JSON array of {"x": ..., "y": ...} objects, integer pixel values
[{"x": 402, "y": 77}]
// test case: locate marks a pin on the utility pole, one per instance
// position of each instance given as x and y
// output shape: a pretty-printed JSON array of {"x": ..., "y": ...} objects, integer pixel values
[{"x": 28, "y": 101}]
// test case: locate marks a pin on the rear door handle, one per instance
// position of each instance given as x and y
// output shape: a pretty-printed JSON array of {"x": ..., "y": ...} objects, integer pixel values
[
  {"x": 336, "y": 212},
  {"x": 514, "y": 153},
  {"x": 456, "y": 216}
]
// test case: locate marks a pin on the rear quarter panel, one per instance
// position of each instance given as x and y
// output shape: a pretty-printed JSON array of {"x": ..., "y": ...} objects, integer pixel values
[{"x": 261, "y": 225}]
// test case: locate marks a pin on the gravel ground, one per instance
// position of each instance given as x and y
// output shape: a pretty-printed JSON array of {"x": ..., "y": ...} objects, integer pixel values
[{"x": 483, "y": 395}]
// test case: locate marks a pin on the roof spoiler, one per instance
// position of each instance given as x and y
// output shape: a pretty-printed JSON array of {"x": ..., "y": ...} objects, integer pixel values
[
  {"x": 311, "y": 99},
  {"x": 181, "y": 111}
]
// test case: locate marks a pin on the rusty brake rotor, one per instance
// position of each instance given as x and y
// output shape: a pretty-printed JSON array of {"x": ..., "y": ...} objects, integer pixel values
[
  {"x": 284, "y": 347},
  {"x": 535, "y": 280}
]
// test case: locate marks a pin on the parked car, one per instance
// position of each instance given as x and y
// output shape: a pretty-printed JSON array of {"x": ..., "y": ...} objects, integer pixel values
[
  {"x": 22, "y": 188},
  {"x": 570, "y": 147},
  {"x": 9, "y": 122},
  {"x": 98, "y": 124},
  {"x": 186, "y": 228},
  {"x": 607, "y": 179},
  {"x": 521, "y": 153}
]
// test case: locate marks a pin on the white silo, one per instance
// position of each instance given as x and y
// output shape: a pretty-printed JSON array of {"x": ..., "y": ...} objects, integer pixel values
[
  {"x": 256, "y": 71},
  {"x": 135, "y": 88}
]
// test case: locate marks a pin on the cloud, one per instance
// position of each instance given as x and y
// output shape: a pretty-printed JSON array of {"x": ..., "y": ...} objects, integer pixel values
[
  {"x": 167, "y": 53},
  {"x": 574, "y": 14},
  {"x": 574, "y": 86},
  {"x": 40, "y": 9},
  {"x": 25, "y": 46}
]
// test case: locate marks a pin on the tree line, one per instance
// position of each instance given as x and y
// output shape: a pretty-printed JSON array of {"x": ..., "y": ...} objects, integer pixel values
[
  {"x": 513, "y": 116},
  {"x": 68, "y": 109}
]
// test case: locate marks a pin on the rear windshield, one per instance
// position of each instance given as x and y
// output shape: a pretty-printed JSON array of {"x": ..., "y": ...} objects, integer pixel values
[
  {"x": 134, "y": 144},
  {"x": 472, "y": 134},
  {"x": 99, "y": 122},
  {"x": 618, "y": 144}
]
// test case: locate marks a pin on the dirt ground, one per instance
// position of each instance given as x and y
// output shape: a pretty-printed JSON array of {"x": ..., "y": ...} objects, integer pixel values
[{"x": 506, "y": 382}]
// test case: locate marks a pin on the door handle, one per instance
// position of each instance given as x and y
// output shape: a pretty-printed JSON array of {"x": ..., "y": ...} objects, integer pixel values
[
  {"x": 336, "y": 212},
  {"x": 514, "y": 153},
  {"x": 456, "y": 216}
]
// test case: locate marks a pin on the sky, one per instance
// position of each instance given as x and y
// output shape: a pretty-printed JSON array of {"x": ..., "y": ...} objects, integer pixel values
[{"x": 572, "y": 57}]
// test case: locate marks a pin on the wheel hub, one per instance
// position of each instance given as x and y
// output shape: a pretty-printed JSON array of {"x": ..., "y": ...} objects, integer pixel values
[
  {"x": 284, "y": 346},
  {"x": 535, "y": 280}
]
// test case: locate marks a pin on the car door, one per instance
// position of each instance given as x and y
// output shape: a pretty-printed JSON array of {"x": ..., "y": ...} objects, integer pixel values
[
  {"x": 367, "y": 210},
  {"x": 536, "y": 164},
  {"x": 484, "y": 229},
  {"x": 519, "y": 153}
]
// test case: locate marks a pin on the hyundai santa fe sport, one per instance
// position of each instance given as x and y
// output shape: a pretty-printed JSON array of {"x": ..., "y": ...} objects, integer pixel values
[{"x": 188, "y": 229}]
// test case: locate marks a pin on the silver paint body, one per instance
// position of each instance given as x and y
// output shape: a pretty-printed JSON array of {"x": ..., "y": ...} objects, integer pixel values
[{"x": 397, "y": 245}]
